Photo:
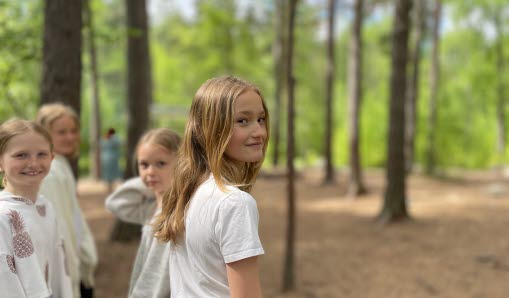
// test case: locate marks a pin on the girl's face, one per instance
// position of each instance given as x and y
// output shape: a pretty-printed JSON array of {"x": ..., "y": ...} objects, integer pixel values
[
  {"x": 155, "y": 165},
  {"x": 65, "y": 135},
  {"x": 249, "y": 131},
  {"x": 25, "y": 162}
]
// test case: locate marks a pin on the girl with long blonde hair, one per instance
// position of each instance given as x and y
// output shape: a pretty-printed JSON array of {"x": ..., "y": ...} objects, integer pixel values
[
  {"x": 60, "y": 187},
  {"x": 208, "y": 215}
]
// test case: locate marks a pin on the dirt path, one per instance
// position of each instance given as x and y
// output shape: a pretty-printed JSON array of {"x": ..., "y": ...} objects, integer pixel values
[{"x": 456, "y": 246}]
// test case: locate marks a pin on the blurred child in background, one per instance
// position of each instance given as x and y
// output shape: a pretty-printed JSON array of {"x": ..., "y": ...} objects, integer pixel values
[
  {"x": 138, "y": 200},
  {"x": 110, "y": 153},
  {"x": 59, "y": 187}
]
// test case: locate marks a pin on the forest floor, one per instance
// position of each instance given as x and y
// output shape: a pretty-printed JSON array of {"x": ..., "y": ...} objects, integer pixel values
[{"x": 456, "y": 245}]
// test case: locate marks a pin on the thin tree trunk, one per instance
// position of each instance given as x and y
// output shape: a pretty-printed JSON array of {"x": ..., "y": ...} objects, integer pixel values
[
  {"x": 501, "y": 101},
  {"x": 139, "y": 97},
  {"x": 227, "y": 52},
  {"x": 61, "y": 63},
  {"x": 434, "y": 79},
  {"x": 329, "y": 94},
  {"x": 394, "y": 207},
  {"x": 356, "y": 185},
  {"x": 413, "y": 84},
  {"x": 278, "y": 50},
  {"x": 139, "y": 82},
  {"x": 95, "y": 116},
  {"x": 289, "y": 266}
]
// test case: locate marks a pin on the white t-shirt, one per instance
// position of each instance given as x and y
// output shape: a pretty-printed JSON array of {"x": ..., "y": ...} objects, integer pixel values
[
  {"x": 221, "y": 227},
  {"x": 32, "y": 253}
]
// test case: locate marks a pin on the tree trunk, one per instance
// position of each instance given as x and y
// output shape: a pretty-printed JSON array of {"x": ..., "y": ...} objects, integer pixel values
[
  {"x": 434, "y": 79},
  {"x": 139, "y": 97},
  {"x": 413, "y": 84},
  {"x": 227, "y": 52},
  {"x": 61, "y": 62},
  {"x": 278, "y": 54},
  {"x": 501, "y": 101},
  {"x": 355, "y": 185},
  {"x": 139, "y": 82},
  {"x": 394, "y": 207},
  {"x": 329, "y": 93},
  {"x": 95, "y": 113},
  {"x": 289, "y": 267}
]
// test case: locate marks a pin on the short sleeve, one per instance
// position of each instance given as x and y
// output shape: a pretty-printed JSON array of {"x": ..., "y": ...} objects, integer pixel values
[
  {"x": 237, "y": 228},
  {"x": 9, "y": 281},
  {"x": 132, "y": 202}
]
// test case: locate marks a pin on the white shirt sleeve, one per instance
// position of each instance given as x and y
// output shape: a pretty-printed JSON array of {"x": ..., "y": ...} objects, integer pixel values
[
  {"x": 132, "y": 202},
  {"x": 9, "y": 280},
  {"x": 237, "y": 228}
]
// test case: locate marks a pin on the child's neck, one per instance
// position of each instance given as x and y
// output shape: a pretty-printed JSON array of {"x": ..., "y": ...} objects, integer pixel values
[{"x": 25, "y": 192}]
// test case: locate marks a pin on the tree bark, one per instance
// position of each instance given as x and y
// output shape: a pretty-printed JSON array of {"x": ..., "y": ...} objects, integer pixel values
[
  {"x": 279, "y": 59},
  {"x": 413, "y": 84},
  {"x": 61, "y": 62},
  {"x": 394, "y": 207},
  {"x": 289, "y": 265},
  {"x": 329, "y": 94},
  {"x": 355, "y": 185},
  {"x": 95, "y": 112},
  {"x": 139, "y": 97},
  {"x": 434, "y": 79},
  {"x": 139, "y": 81}
]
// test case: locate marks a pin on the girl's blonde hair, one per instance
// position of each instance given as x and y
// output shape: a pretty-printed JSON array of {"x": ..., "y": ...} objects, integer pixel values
[
  {"x": 49, "y": 113},
  {"x": 208, "y": 131},
  {"x": 164, "y": 137},
  {"x": 15, "y": 127}
]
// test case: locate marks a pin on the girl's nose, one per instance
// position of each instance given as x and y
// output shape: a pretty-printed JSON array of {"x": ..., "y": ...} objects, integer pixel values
[
  {"x": 32, "y": 161},
  {"x": 259, "y": 130},
  {"x": 150, "y": 169}
]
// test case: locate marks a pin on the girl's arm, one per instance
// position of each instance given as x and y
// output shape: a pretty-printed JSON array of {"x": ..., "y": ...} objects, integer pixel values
[
  {"x": 10, "y": 283},
  {"x": 243, "y": 278},
  {"x": 132, "y": 202}
]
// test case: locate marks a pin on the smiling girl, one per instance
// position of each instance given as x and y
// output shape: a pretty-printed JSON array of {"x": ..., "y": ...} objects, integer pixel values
[
  {"x": 208, "y": 214},
  {"x": 32, "y": 255}
]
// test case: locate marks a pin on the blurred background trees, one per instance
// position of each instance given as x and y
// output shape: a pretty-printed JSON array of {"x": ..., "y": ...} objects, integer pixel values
[{"x": 456, "y": 97}]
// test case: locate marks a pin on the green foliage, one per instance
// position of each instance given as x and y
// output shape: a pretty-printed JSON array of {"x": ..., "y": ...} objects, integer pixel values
[
  {"x": 20, "y": 45},
  {"x": 222, "y": 40}
]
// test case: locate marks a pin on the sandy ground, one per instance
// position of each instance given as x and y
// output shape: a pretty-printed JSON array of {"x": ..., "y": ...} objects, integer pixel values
[{"x": 456, "y": 244}]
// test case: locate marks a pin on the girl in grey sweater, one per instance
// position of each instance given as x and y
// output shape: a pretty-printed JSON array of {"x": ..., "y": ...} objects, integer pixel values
[{"x": 138, "y": 200}]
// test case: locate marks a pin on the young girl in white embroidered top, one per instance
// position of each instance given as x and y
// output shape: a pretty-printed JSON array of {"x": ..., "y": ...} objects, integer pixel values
[{"x": 32, "y": 254}]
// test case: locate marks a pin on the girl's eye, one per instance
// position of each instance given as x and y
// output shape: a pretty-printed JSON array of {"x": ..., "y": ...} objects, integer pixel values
[
  {"x": 261, "y": 120},
  {"x": 21, "y": 155},
  {"x": 242, "y": 121},
  {"x": 161, "y": 164},
  {"x": 142, "y": 165},
  {"x": 43, "y": 154}
]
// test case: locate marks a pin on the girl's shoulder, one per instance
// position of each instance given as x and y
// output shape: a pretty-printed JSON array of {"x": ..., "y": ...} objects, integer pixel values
[
  {"x": 8, "y": 199},
  {"x": 229, "y": 196}
]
